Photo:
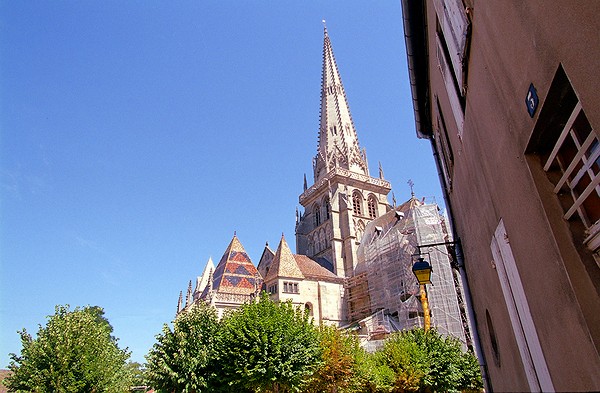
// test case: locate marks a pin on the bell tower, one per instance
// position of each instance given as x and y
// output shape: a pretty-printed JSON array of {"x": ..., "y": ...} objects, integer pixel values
[{"x": 344, "y": 197}]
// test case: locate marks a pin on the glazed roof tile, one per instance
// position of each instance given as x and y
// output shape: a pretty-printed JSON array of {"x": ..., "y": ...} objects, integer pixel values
[{"x": 235, "y": 272}]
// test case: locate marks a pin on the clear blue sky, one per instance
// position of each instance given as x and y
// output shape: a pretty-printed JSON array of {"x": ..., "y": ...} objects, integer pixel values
[{"x": 137, "y": 136}]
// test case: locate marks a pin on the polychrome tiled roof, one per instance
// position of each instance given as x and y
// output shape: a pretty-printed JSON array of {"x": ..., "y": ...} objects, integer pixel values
[{"x": 235, "y": 272}]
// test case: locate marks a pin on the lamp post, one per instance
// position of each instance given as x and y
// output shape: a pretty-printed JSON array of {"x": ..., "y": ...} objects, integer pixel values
[{"x": 422, "y": 270}]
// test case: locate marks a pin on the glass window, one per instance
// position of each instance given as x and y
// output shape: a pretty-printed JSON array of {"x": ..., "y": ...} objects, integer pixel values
[
  {"x": 372, "y": 206},
  {"x": 356, "y": 203},
  {"x": 317, "y": 213}
]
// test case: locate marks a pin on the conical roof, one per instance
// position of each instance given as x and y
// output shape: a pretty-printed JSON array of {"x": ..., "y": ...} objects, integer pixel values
[
  {"x": 338, "y": 142},
  {"x": 284, "y": 264},
  {"x": 202, "y": 281},
  {"x": 265, "y": 260},
  {"x": 235, "y": 272}
]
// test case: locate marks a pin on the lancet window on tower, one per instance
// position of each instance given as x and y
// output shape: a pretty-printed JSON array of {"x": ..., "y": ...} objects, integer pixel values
[
  {"x": 371, "y": 205},
  {"x": 327, "y": 209},
  {"x": 357, "y": 203},
  {"x": 317, "y": 213}
]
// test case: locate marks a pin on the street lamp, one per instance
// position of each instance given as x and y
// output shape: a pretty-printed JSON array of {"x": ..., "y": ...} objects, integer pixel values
[{"x": 422, "y": 270}]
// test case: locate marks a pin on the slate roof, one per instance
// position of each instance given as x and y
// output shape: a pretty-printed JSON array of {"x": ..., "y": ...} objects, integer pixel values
[{"x": 235, "y": 272}]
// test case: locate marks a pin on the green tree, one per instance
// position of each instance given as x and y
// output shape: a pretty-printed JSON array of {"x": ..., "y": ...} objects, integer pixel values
[
  {"x": 184, "y": 358},
  {"x": 345, "y": 366},
  {"x": 268, "y": 347},
  {"x": 138, "y": 374},
  {"x": 337, "y": 367},
  {"x": 74, "y": 352},
  {"x": 426, "y": 361}
]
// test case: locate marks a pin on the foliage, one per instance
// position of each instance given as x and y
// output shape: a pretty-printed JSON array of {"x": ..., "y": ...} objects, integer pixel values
[
  {"x": 338, "y": 362},
  {"x": 426, "y": 361},
  {"x": 268, "y": 347},
  {"x": 346, "y": 367},
  {"x": 374, "y": 375},
  {"x": 137, "y": 373},
  {"x": 74, "y": 352},
  {"x": 183, "y": 359}
]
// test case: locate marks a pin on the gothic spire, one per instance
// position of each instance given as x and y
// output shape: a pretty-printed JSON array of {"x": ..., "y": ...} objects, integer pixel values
[
  {"x": 188, "y": 296},
  {"x": 179, "y": 303},
  {"x": 338, "y": 143}
]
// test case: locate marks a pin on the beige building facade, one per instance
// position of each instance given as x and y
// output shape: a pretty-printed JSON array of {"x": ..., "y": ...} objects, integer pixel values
[
  {"x": 301, "y": 280},
  {"x": 509, "y": 96}
]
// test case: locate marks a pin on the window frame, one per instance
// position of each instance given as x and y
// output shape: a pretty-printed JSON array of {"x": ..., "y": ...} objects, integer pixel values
[
  {"x": 372, "y": 206},
  {"x": 291, "y": 287},
  {"x": 584, "y": 165},
  {"x": 357, "y": 203}
]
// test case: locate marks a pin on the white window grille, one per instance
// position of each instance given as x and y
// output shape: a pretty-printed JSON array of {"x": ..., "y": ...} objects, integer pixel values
[{"x": 576, "y": 157}]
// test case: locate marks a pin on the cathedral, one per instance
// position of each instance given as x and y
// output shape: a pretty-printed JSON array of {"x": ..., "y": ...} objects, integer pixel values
[{"x": 354, "y": 251}]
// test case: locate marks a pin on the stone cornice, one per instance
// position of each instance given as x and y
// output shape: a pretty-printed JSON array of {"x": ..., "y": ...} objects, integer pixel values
[{"x": 346, "y": 174}]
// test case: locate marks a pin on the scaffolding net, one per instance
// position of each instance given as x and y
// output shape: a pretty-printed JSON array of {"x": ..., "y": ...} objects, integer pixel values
[{"x": 383, "y": 294}]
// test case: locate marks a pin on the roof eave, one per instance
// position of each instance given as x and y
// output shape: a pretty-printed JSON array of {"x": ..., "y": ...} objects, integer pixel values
[{"x": 415, "y": 27}]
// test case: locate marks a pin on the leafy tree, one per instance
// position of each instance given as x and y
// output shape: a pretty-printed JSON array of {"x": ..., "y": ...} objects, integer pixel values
[
  {"x": 137, "y": 372},
  {"x": 426, "y": 361},
  {"x": 373, "y": 375},
  {"x": 337, "y": 368},
  {"x": 74, "y": 352},
  {"x": 184, "y": 359},
  {"x": 268, "y": 347},
  {"x": 346, "y": 367}
]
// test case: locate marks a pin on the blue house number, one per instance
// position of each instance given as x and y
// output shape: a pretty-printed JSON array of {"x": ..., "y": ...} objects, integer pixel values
[{"x": 531, "y": 100}]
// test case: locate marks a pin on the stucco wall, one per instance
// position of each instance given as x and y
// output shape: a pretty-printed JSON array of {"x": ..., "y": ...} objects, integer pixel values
[{"x": 514, "y": 44}]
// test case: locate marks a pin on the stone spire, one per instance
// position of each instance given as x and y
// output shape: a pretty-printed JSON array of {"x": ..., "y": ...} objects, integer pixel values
[
  {"x": 180, "y": 302},
  {"x": 338, "y": 143},
  {"x": 188, "y": 296}
]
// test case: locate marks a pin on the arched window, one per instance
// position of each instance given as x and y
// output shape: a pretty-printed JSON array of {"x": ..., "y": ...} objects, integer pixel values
[
  {"x": 323, "y": 240},
  {"x": 327, "y": 209},
  {"x": 309, "y": 308},
  {"x": 360, "y": 230},
  {"x": 317, "y": 213},
  {"x": 356, "y": 203},
  {"x": 371, "y": 204}
]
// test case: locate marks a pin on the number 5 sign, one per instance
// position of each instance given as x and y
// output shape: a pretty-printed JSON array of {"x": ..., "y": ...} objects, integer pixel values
[{"x": 531, "y": 100}]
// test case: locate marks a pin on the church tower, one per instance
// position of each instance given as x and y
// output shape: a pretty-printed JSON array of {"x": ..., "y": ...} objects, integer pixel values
[{"x": 344, "y": 197}]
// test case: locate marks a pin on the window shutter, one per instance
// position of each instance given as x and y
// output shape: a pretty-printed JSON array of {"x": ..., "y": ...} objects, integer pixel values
[
  {"x": 457, "y": 110},
  {"x": 455, "y": 25}
]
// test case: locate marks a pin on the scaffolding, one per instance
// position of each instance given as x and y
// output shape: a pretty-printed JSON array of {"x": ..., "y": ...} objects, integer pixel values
[{"x": 383, "y": 294}]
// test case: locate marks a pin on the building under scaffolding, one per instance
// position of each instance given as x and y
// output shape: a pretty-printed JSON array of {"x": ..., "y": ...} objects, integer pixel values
[{"x": 383, "y": 294}]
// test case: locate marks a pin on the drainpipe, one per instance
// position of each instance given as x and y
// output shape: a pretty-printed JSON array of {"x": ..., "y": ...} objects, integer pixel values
[
  {"x": 463, "y": 273},
  {"x": 415, "y": 24}
]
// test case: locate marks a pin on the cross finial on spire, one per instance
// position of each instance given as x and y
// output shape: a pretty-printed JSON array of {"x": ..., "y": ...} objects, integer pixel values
[
  {"x": 411, "y": 184},
  {"x": 324, "y": 24}
]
